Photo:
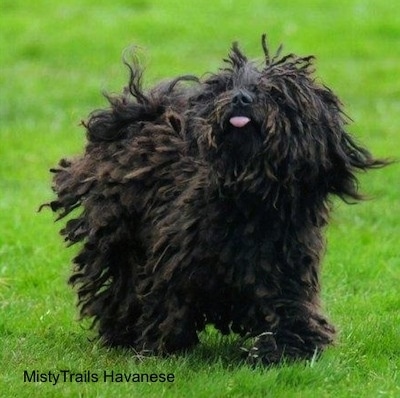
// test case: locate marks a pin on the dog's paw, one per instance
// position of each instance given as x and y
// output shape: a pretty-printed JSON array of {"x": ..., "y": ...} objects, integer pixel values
[{"x": 264, "y": 351}]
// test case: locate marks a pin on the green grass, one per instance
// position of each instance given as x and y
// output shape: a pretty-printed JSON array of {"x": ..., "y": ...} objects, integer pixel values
[{"x": 57, "y": 57}]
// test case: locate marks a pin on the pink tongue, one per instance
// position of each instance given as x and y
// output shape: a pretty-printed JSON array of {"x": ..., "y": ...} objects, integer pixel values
[{"x": 239, "y": 121}]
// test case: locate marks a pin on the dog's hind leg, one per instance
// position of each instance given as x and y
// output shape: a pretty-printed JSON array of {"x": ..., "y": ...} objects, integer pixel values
[
  {"x": 106, "y": 273},
  {"x": 106, "y": 267}
]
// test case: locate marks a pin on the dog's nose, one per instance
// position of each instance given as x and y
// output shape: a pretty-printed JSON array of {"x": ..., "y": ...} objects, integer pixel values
[{"x": 242, "y": 98}]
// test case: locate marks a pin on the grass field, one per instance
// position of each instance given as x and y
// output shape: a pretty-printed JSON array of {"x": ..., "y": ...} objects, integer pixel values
[{"x": 57, "y": 57}]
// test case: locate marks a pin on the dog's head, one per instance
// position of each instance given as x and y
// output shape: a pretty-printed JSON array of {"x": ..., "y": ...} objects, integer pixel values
[
  {"x": 256, "y": 122},
  {"x": 275, "y": 118}
]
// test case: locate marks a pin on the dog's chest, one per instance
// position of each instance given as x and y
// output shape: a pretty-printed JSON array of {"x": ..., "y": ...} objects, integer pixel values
[{"x": 241, "y": 234}]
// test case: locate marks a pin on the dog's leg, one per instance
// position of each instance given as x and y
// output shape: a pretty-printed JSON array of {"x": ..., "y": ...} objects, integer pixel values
[
  {"x": 106, "y": 274},
  {"x": 106, "y": 267},
  {"x": 298, "y": 336},
  {"x": 298, "y": 330},
  {"x": 167, "y": 324}
]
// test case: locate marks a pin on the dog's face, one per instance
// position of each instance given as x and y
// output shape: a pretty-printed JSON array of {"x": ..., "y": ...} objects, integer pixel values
[
  {"x": 274, "y": 114},
  {"x": 232, "y": 104}
]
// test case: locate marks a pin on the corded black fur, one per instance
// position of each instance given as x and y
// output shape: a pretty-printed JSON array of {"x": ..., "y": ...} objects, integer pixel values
[{"x": 204, "y": 201}]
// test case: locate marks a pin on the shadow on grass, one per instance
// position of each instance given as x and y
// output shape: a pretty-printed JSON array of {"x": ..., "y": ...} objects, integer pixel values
[
  {"x": 226, "y": 352},
  {"x": 213, "y": 350},
  {"x": 62, "y": 345}
]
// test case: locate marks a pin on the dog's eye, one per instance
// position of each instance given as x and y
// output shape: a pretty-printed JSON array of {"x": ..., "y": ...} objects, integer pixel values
[
  {"x": 253, "y": 88},
  {"x": 277, "y": 96},
  {"x": 204, "y": 97},
  {"x": 280, "y": 99}
]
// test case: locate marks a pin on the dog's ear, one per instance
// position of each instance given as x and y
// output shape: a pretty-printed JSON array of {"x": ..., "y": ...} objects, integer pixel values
[
  {"x": 345, "y": 156},
  {"x": 128, "y": 111},
  {"x": 113, "y": 123}
]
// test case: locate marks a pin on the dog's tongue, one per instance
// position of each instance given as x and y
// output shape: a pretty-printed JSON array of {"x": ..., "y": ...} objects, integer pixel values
[{"x": 239, "y": 121}]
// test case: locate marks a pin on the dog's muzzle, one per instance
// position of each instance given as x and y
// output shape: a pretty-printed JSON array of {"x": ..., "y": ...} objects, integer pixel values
[{"x": 241, "y": 101}]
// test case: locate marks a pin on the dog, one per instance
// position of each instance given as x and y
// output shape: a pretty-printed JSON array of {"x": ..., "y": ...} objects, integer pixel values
[{"x": 204, "y": 201}]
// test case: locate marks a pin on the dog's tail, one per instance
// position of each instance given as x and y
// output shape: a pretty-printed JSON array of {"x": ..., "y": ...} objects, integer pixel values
[{"x": 133, "y": 108}]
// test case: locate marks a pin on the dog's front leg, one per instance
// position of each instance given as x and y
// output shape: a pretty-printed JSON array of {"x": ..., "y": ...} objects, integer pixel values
[
  {"x": 297, "y": 337},
  {"x": 299, "y": 330},
  {"x": 167, "y": 324}
]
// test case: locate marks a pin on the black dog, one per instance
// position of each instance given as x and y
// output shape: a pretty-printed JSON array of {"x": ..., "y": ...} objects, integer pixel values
[{"x": 204, "y": 202}]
